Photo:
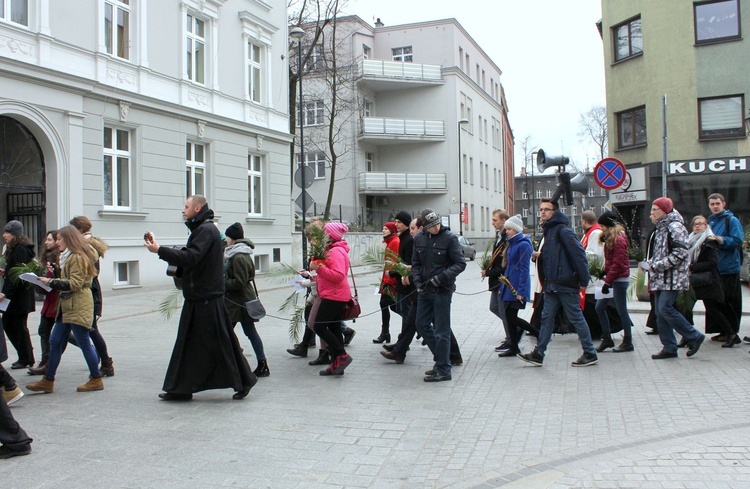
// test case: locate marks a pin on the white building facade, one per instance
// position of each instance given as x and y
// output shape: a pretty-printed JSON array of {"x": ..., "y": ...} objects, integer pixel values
[
  {"x": 120, "y": 111},
  {"x": 410, "y": 85}
]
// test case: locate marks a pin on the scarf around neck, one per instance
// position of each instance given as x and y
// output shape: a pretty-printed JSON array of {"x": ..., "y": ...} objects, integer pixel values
[{"x": 695, "y": 241}]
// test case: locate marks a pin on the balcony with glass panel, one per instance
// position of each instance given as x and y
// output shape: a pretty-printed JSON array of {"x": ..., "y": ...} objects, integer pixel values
[
  {"x": 380, "y": 75},
  {"x": 402, "y": 183},
  {"x": 383, "y": 130}
]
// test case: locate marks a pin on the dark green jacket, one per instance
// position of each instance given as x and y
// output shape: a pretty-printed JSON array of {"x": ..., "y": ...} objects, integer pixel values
[{"x": 240, "y": 271}]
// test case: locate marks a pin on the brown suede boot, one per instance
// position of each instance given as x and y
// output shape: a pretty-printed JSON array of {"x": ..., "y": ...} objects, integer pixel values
[
  {"x": 94, "y": 384},
  {"x": 45, "y": 385},
  {"x": 108, "y": 367}
]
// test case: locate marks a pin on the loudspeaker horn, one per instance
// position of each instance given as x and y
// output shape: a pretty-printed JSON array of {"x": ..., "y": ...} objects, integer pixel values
[
  {"x": 543, "y": 161},
  {"x": 579, "y": 183}
]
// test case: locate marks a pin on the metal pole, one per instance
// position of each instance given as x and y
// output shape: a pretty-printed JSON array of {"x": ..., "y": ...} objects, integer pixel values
[
  {"x": 533, "y": 195},
  {"x": 302, "y": 153},
  {"x": 460, "y": 185},
  {"x": 664, "y": 161}
]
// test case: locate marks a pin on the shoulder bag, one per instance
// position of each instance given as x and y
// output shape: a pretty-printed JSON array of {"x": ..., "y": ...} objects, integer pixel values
[
  {"x": 352, "y": 310},
  {"x": 255, "y": 309}
]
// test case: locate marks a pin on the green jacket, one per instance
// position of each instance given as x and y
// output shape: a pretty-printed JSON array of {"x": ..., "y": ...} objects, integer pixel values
[
  {"x": 240, "y": 271},
  {"x": 76, "y": 301}
]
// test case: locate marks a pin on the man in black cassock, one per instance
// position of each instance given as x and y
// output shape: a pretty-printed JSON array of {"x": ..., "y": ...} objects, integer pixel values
[{"x": 207, "y": 354}]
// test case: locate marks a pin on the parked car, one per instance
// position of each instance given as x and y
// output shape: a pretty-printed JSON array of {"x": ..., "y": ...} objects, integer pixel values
[{"x": 469, "y": 251}]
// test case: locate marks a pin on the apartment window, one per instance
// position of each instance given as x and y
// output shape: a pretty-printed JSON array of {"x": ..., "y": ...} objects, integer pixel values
[
  {"x": 525, "y": 212},
  {"x": 538, "y": 194},
  {"x": 628, "y": 39},
  {"x": 471, "y": 170},
  {"x": 602, "y": 193},
  {"x": 472, "y": 218},
  {"x": 717, "y": 21},
  {"x": 481, "y": 174},
  {"x": 477, "y": 69},
  {"x": 15, "y": 11},
  {"x": 721, "y": 117},
  {"x": 468, "y": 63},
  {"x": 402, "y": 54},
  {"x": 469, "y": 111},
  {"x": 316, "y": 61},
  {"x": 366, "y": 51},
  {"x": 195, "y": 169},
  {"x": 367, "y": 108},
  {"x": 196, "y": 49},
  {"x": 369, "y": 160},
  {"x": 524, "y": 194},
  {"x": 254, "y": 71},
  {"x": 126, "y": 273},
  {"x": 461, "y": 58},
  {"x": 462, "y": 99},
  {"x": 313, "y": 113},
  {"x": 492, "y": 87},
  {"x": 481, "y": 213},
  {"x": 549, "y": 193},
  {"x": 117, "y": 167},
  {"x": 604, "y": 208},
  {"x": 255, "y": 185},
  {"x": 487, "y": 175},
  {"x": 591, "y": 191},
  {"x": 631, "y": 126},
  {"x": 316, "y": 160},
  {"x": 485, "y": 131},
  {"x": 573, "y": 211},
  {"x": 465, "y": 167},
  {"x": 484, "y": 83},
  {"x": 480, "y": 127}
]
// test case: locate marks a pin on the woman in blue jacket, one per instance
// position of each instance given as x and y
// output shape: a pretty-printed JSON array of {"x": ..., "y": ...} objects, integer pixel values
[{"x": 515, "y": 288}]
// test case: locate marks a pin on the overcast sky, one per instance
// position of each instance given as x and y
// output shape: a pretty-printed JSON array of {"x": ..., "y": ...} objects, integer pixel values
[{"x": 549, "y": 51}]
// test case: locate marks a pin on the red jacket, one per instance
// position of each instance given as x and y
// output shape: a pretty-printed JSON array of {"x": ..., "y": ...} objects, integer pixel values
[
  {"x": 616, "y": 260},
  {"x": 332, "y": 277},
  {"x": 392, "y": 243}
]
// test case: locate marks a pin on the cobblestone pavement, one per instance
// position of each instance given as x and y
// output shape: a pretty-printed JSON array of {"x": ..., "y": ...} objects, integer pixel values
[{"x": 628, "y": 422}]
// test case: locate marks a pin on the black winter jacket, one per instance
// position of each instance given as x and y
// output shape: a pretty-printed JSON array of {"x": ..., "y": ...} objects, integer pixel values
[
  {"x": 437, "y": 255},
  {"x": 20, "y": 293},
  {"x": 202, "y": 259}
]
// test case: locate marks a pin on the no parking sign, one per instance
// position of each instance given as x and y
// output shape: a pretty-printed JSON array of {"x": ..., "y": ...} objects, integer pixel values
[{"x": 610, "y": 173}]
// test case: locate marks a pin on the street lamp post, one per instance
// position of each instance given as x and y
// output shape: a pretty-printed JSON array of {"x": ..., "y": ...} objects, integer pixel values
[
  {"x": 533, "y": 193},
  {"x": 460, "y": 181},
  {"x": 297, "y": 33}
]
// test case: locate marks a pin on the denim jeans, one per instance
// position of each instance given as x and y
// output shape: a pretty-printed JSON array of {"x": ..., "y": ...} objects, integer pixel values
[
  {"x": 248, "y": 326},
  {"x": 434, "y": 324},
  {"x": 497, "y": 307},
  {"x": 59, "y": 336},
  {"x": 620, "y": 296},
  {"x": 668, "y": 320},
  {"x": 570, "y": 302}
]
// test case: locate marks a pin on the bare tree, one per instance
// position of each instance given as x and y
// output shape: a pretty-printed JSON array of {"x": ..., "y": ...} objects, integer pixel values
[{"x": 593, "y": 126}]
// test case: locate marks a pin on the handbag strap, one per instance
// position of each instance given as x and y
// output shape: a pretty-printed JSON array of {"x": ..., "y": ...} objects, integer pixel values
[
  {"x": 257, "y": 296},
  {"x": 353, "y": 282}
]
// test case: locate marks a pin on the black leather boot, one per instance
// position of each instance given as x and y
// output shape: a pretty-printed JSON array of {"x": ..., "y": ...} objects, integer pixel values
[
  {"x": 323, "y": 358},
  {"x": 262, "y": 370},
  {"x": 626, "y": 345},
  {"x": 606, "y": 343},
  {"x": 385, "y": 335},
  {"x": 299, "y": 350}
]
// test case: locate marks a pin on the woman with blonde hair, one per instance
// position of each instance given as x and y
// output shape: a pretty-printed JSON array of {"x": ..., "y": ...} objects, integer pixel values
[
  {"x": 616, "y": 275},
  {"x": 75, "y": 311}
]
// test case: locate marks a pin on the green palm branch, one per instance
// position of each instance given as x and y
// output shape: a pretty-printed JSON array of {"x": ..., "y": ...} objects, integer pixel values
[
  {"x": 34, "y": 267},
  {"x": 484, "y": 261},
  {"x": 170, "y": 303}
]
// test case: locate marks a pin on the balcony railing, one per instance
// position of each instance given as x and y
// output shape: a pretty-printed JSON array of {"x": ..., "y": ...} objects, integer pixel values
[
  {"x": 397, "y": 69},
  {"x": 393, "y": 181},
  {"x": 376, "y": 126}
]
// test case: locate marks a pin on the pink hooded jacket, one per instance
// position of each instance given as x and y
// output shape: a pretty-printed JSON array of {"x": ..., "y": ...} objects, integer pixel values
[{"x": 332, "y": 278}]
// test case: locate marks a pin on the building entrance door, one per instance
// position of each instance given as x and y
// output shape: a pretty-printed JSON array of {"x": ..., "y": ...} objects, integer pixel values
[{"x": 22, "y": 179}]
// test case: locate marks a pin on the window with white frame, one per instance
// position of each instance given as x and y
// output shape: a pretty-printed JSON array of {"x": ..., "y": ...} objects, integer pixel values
[
  {"x": 254, "y": 71},
  {"x": 538, "y": 194},
  {"x": 316, "y": 61},
  {"x": 366, "y": 51},
  {"x": 403, "y": 54},
  {"x": 525, "y": 212},
  {"x": 195, "y": 61},
  {"x": 481, "y": 174},
  {"x": 604, "y": 209},
  {"x": 195, "y": 169},
  {"x": 368, "y": 108},
  {"x": 485, "y": 132},
  {"x": 481, "y": 213},
  {"x": 549, "y": 193},
  {"x": 116, "y": 169},
  {"x": 369, "y": 161},
  {"x": 461, "y": 58},
  {"x": 472, "y": 218},
  {"x": 721, "y": 117},
  {"x": 469, "y": 111},
  {"x": 254, "y": 185},
  {"x": 316, "y": 160},
  {"x": 15, "y": 11},
  {"x": 591, "y": 191},
  {"x": 314, "y": 113},
  {"x": 462, "y": 99},
  {"x": 480, "y": 128},
  {"x": 126, "y": 273},
  {"x": 471, "y": 170},
  {"x": 602, "y": 192},
  {"x": 116, "y": 28}
]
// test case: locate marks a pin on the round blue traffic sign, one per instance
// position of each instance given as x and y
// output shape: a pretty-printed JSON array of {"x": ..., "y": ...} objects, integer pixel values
[{"x": 610, "y": 173}]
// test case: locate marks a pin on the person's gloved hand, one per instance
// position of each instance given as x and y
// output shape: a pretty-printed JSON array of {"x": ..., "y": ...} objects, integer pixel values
[
  {"x": 435, "y": 281},
  {"x": 605, "y": 289}
]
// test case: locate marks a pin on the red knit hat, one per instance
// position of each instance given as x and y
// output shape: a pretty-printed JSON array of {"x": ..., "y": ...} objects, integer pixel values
[
  {"x": 391, "y": 226},
  {"x": 665, "y": 204}
]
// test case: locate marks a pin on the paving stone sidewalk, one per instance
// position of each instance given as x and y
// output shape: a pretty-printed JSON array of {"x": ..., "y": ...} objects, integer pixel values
[{"x": 627, "y": 422}]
